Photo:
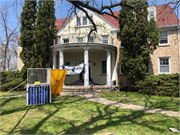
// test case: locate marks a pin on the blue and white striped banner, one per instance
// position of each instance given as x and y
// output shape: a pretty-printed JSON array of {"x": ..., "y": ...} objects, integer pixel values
[{"x": 73, "y": 70}]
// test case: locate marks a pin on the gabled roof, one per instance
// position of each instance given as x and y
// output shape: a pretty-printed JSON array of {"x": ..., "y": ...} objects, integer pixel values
[
  {"x": 112, "y": 20},
  {"x": 61, "y": 22},
  {"x": 165, "y": 16}
]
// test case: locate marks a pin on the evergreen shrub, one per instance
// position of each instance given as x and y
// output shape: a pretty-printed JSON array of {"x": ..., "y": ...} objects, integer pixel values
[
  {"x": 10, "y": 79},
  {"x": 161, "y": 85}
]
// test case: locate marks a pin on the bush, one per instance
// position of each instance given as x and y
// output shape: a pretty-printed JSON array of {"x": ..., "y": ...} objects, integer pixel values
[
  {"x": 162, "y": 85},
  {"x": 10, "y": 79}
]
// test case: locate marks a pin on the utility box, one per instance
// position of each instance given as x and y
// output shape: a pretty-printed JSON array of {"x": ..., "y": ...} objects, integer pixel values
[{"x": 38, "y": 90}]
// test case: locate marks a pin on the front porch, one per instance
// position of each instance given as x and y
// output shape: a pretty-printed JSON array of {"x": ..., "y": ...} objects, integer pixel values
[{"x": 99, "y": 60}]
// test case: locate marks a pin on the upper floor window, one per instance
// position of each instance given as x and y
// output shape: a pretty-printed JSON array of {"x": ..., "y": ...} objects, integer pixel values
[
  {"x": 104, "y": 66},
  {"x": 91, "y": 18},
  {"x": 66, "y": 40},
  {"x": 84, "y": 20},
  {"x": 164, "y": 37},
  {"x": 79, "y": 39},
  {"x": 78, "y": 21},
  {"x": 151, "y": 15},
  {"x": 81, "y": 21},
  {"x": 105, "y": 39},
  {"x": 164, "y": 65},
  {"x": 91, "y": 39}
]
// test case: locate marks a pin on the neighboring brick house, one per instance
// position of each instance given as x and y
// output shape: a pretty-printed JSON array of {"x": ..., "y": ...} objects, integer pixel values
[{"x": 101, "y": 51}]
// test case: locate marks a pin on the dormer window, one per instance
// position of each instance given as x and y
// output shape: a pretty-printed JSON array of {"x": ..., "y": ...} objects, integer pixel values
[{"x": 151, "y": 15}]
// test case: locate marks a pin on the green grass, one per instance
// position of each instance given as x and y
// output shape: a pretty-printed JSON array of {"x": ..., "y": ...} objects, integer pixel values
[
  {"x": 166, "y": 103},
  {"x": 13, "y": 93},
  {"x": 76, "y": 115}
]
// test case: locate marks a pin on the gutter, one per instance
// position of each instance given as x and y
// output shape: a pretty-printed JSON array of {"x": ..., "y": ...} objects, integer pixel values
[{"x": 168, "y": 26}]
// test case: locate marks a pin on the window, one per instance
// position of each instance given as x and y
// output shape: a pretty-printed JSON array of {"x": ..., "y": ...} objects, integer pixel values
[
  {"x": 80, "y": 40},
  {"x": 78, "y": 21},
  {"x": 148, "y": 70},
  {"x": 84, "y": 20},
  {"x": 120, "y": 69},
  {"x": 66, "y": 40},
  {"x": 67, "y": 63},
  {"x": 104, "y": 66},
  {"x": 122, "y": 45},
  {"x": 105, "y": 39},
  {"x": 164, "y": 65},
  {"x": 58, "y": 39},
  {"x": 151, "y": 15},
  {"x": 91, "y": 18},
  {"x": 91, "y": 39},
  {"x": 164, "y": 37}
]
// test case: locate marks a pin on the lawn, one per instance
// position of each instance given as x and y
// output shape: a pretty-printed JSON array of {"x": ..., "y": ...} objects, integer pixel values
[
  {"x": 12, "y": 93},
  {"x": 76, "y": 115},
  {"x": 166, "y": 103}
]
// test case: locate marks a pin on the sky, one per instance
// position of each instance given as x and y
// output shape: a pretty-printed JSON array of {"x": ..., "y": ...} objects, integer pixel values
[{"x": 61, "y": 7}]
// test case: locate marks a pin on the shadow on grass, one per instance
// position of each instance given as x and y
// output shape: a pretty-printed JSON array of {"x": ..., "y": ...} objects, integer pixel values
[
  {"x": 144, "y": 100},
  {"x": 40, "y": 108},
  {"x": 106, "y": 114},
  {"x": 6, "y": 101},
  {"x": 85, "y": 128},
  {"x": 112, "y": 117},
  {"x": 20, "y": 119}
]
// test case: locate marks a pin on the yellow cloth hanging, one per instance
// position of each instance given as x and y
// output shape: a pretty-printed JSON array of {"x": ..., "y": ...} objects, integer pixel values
[{"x": 57, "y": 80}]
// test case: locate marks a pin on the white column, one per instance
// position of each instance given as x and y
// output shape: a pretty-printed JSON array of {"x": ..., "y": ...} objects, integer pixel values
[
  {"x": 62, "y": 39},
  {"x": 108, "y": 67},
  {"x": 61, "y": 59},
  {"x": 113, "y": 67},
  {"x": 54, "y": 60},
  {"x": 86, "y": 61}
]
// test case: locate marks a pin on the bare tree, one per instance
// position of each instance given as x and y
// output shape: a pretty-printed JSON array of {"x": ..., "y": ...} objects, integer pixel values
[{"x": 9, "y": 35}]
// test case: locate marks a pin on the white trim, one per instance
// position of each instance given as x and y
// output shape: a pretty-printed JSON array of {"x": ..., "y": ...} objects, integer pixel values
[
  {"x": 166, "y": 44},
  {"x": 169, "y": 58}
]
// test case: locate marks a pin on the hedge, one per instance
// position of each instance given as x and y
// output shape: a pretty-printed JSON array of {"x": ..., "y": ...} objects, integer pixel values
[
  {"x": 10, "y": 79},
  {"x": 162, "y": 85}
]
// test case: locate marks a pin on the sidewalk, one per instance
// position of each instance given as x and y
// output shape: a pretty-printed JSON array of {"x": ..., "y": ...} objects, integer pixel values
[{"x": 97, "y": 98}]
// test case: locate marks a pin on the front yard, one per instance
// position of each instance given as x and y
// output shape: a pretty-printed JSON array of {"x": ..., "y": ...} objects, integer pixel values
[
  {"x": 166, "y": 103},
  {"x": 76, "y": 115}
]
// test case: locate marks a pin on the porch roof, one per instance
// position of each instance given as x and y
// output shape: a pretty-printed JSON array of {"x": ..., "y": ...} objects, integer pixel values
[{"x": 83, "y": 45}]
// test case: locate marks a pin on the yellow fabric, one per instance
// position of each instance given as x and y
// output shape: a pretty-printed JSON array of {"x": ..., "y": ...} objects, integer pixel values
[{"x": 57, "y": 80}]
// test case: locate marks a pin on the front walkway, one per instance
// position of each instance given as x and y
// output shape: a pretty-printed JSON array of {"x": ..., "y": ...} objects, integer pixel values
[{"x": 97, "y": 98}]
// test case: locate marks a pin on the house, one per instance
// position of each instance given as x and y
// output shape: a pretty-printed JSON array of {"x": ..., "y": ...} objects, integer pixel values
[{"x": 100, "y": 52}]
